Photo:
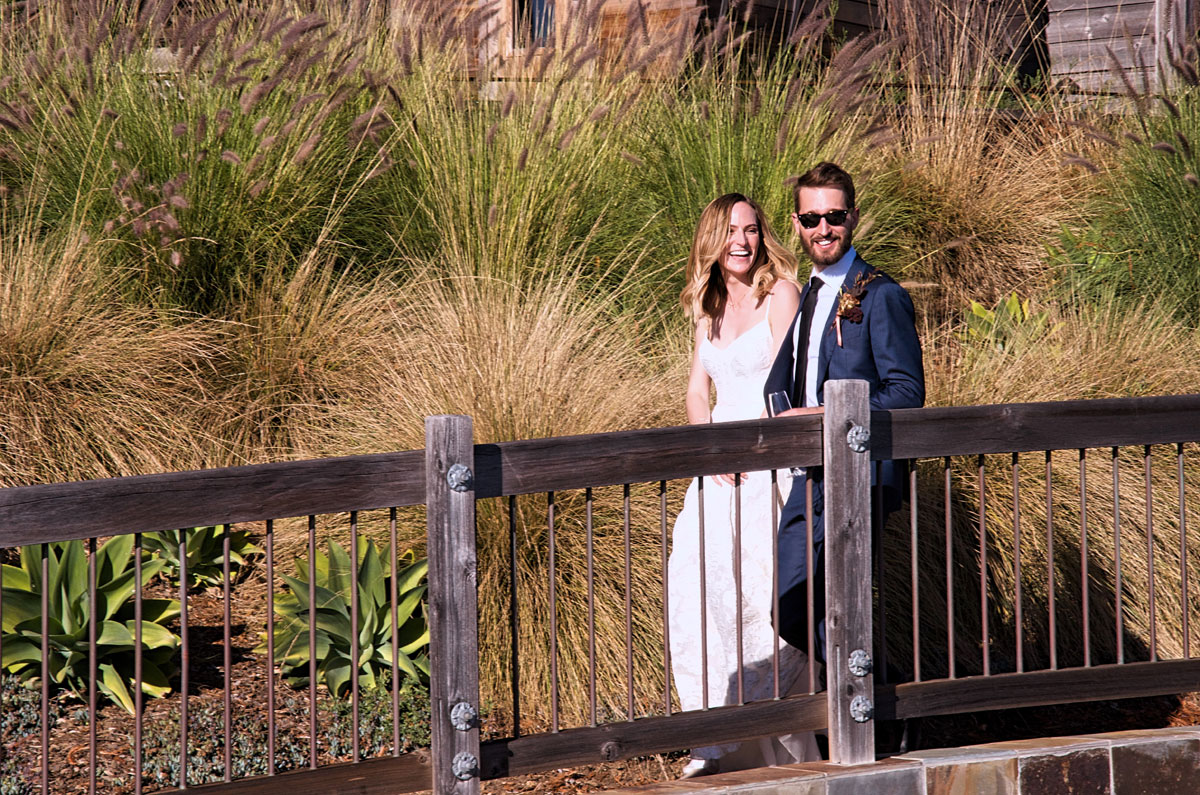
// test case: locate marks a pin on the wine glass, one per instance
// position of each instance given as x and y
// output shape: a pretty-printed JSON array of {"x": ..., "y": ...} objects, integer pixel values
[{"x": 778, "y": 402}]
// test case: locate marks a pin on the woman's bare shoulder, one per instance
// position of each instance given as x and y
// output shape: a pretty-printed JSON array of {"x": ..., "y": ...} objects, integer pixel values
[{"x": 785, "y": 295}]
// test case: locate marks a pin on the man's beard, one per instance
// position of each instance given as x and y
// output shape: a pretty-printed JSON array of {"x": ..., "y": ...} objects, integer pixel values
[{"x": 827, "y": 258}]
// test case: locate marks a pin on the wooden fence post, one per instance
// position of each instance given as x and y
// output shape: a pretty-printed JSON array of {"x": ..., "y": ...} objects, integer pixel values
[
  {"x": 453, "y": 611},
  {"x": 848, "y": 572}
]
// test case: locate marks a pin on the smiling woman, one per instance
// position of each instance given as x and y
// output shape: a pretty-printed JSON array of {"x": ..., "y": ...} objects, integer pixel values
[{"x": 741, "y": 291}]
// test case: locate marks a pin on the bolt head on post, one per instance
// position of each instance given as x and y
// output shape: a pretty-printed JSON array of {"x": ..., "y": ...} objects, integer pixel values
[
  {"x": 861, "y": 709},
  {"x": 463, "y": 716},
  {"x": 464, "y": 766},
  {"x": 859, "y": 662},
  {"x": 459, "y": 477},
  {"x": 858, "y": 438}
]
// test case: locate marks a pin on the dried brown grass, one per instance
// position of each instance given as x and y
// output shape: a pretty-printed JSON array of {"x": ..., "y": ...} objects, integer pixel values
[
  {"x": 1087, "y": 351},
  {"x": 89, "y": 387},
  {"x": 975, "y": 164},
  {"x": 546, "y": 357}
]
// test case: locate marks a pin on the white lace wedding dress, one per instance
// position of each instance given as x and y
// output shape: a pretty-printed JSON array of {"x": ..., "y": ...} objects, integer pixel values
[{"x": 739, "y": 372}]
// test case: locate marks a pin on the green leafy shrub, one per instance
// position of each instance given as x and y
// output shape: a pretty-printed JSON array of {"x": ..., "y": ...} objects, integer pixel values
[
  {"x": 334, "y": 632},
  {"x": 1142, "y": 241},
  {"x": 996, "y": 327},
  {"x": 70, "y": 619},
  {"x": 205, "y": 553}
]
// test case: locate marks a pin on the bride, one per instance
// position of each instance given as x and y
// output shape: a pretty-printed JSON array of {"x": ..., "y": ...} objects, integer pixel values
[{"x": 741, "y": 291}]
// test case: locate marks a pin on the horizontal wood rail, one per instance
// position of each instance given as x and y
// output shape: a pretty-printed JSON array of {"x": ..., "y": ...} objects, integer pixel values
[
  {"x": 610, "y": 459},
  {"x": 1037, "y": 688},
  {"x": 627, "y": 739},
  {"x": 1025, "y": 427},
  {"x": 146, "y": 503}
]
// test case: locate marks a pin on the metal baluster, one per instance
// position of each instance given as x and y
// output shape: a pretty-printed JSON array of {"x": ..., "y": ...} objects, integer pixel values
[
  {"x": 137, "y": 664},
  {"x": 948, "y": 517},
  {"x": 808, "y": 584},
  {"x": 185, "y": 658},
  {"x": 228, "y": 656},
  {"x": 1116, "y": 493},
  {"x": 1183, "y": 556},
  {"x": 394, "y": 557},
  {"x": 354, "y": 644},
  {"x": 270, "y": 661},
  {"x": 312, "y": 642},
  {"x": 1150, "y": 558},
  {"x": 666, "y": 624},
  {"x": 1053, "y": 617},
  {"x": 553, "y": 617},
  {"x": 913, "y": 562},
  {"x": 737, "y": 585},
  {"x": 591, "y": 579},
  {"x": 628, "y": 605},
  {"x": 1083, "y": 560},
  {"x": 94, "y": 618},
  {"x": 985, "y": 642},
  {"x": 514, "y": 614},
  {"x": 1016, "y": 484},
  {"x": 775, "y": 580},
  {"x": 45, "y": 668}
]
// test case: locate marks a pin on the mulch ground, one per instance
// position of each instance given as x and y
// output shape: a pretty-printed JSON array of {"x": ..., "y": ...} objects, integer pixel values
[{"x": 69, "y": 744}]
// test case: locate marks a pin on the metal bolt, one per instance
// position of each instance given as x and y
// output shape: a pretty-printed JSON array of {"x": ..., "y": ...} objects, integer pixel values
[
  {"x": 859, "y": 438},
  {"x": 860, "y": 662},
  {"x": 459, "y": 477},
  {"x": 861, "y": 709},
  {"x": 462, "y": 716},
  {"x": 464, "y": 766},
  {"x": 610, "y": 751}
]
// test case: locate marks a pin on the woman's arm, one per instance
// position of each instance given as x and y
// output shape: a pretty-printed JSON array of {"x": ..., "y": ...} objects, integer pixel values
[
  {"x": 699, "y": 388},
  {"x": 785, "y": 303}
]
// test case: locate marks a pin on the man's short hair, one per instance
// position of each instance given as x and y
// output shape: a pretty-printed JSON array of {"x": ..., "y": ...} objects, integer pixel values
[{"x": 825, "y": 175}]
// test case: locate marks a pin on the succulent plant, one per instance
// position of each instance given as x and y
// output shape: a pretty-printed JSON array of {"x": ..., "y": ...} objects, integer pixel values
[
  {"x": 70, "y": 619},
  {"x": 334, "y": 632},
  {"x": 205, "y": 552}
]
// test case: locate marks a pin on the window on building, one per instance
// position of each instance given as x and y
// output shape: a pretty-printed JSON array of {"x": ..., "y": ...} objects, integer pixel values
[{"x": 534, "y": 23}]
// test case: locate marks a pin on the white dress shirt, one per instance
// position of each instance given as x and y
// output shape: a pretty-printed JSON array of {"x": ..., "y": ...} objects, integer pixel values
[{"x": 832, "y": 278}]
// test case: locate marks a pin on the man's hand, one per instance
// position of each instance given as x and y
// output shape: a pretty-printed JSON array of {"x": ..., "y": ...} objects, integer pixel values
[{"x": 799, "y": 412}]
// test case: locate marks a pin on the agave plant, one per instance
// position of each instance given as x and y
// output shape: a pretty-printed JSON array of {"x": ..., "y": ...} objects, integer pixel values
[
  {"x": 70, "y": 620},
  {"x": 334, "y": 631},
  {"x": 205, "y": 552}
]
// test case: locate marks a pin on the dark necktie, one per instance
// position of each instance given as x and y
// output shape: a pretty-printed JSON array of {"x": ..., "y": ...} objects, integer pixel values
[{"x": 807, "y": 311}]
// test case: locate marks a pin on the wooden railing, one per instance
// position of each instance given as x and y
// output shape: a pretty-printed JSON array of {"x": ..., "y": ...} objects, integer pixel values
[{"x": 452, "y": 474}]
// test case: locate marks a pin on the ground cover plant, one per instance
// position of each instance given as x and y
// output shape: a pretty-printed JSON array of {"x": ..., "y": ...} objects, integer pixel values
[{"x": 235, "y": 233}]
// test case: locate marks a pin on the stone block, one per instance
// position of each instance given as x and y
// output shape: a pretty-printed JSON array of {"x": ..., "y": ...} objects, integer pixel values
[
  {"x": 1081, "y": 772},
  {"x": 992, "y": 777},
  {"x": 1151, "y": 768}
]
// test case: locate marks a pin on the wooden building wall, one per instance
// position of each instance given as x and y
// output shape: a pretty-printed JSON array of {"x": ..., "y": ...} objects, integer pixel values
[
  {"x": 1139, "y": 34},
  {"x": 1070, "y": 37}
]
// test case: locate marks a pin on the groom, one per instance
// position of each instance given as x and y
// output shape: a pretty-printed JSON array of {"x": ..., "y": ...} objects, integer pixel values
[{"x": 854, "y": 322}]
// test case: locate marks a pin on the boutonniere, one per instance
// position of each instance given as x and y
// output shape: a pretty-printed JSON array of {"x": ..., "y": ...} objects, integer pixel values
[{"x": 850, "y": 302}]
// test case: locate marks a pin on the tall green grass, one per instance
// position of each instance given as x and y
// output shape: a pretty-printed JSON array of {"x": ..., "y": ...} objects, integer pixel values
[{"x": 1142, "y": 238}]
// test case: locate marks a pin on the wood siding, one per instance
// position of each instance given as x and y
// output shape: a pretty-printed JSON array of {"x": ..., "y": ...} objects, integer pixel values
[
  {"x": 1091, "y": 42},
  {"x": 1080, "y": 36}
]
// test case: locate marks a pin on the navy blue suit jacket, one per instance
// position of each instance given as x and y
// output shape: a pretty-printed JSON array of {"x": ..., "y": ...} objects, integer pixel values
[{"x": 882, "y": 350}]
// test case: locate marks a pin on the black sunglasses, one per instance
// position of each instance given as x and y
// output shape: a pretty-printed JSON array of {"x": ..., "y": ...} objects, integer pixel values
[{"x": 834, "y": 217}]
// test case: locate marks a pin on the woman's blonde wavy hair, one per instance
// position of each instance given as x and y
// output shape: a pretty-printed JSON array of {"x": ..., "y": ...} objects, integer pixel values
[{"x": 704, "y": 294}]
